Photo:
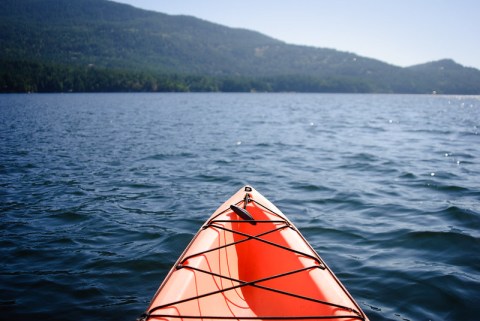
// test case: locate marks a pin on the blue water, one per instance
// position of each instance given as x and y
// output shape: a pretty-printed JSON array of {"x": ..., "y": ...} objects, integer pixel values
[{"x": 100, "y": 193}]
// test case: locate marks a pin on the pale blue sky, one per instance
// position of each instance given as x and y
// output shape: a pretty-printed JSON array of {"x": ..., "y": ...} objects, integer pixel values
[{"x": 400, "y": 32}]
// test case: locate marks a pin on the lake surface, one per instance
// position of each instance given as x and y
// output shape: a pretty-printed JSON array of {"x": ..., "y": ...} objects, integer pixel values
[{"x": 100, "y": 193}]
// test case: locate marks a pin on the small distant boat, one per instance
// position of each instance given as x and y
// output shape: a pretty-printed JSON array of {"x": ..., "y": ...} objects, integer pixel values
[{"x": 249, "y": 262}]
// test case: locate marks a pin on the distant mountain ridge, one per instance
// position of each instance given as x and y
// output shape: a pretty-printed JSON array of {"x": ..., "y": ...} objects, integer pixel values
[{"x": 98, "y": 45}]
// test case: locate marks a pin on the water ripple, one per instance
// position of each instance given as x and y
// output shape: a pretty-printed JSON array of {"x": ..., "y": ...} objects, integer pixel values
[{"x": 99, "y": 194}]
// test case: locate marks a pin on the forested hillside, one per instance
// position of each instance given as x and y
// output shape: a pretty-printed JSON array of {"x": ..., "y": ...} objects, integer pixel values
[{"x": 97, "y": 45}]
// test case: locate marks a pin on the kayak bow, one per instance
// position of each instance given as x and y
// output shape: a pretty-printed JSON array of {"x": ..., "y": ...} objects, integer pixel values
[{"x": 249, "y": 262}]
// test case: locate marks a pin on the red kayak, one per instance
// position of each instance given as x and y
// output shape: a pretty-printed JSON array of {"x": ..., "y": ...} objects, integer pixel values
[{"x": 249, "y": 262}]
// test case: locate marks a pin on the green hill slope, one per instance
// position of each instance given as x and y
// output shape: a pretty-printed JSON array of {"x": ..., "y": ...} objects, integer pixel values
[{"x": 97, "y": 45}]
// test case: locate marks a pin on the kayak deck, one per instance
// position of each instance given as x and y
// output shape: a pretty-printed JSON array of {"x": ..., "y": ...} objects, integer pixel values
[{"x": 249, "y": 262}]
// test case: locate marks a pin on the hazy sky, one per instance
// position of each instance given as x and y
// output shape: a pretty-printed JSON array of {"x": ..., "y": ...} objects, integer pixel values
[{"x": 400, "y": 32}]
